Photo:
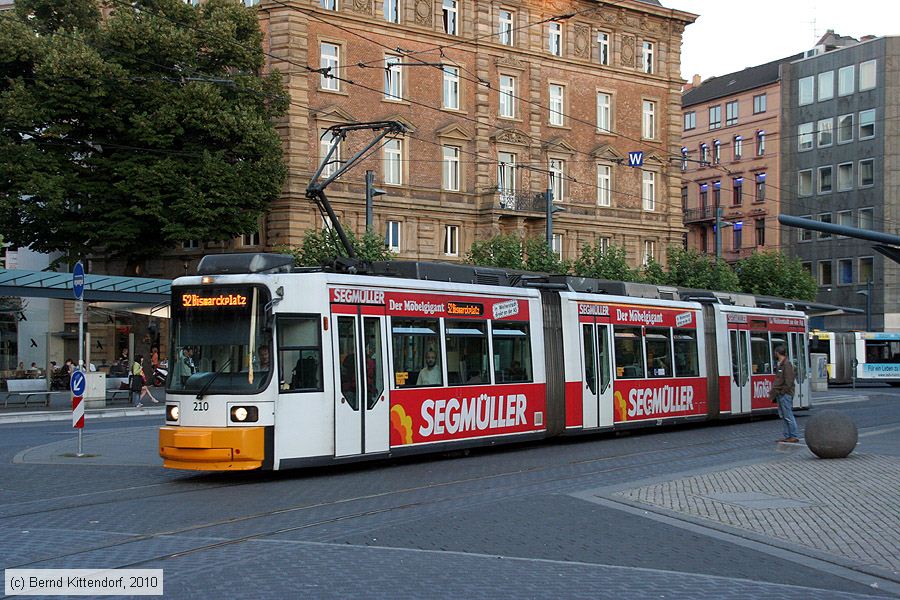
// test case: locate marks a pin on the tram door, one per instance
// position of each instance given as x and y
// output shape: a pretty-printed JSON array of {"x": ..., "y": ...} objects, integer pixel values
[
  {"x": 798, "y": 350},
  {"x": 596, "y": 366},
  {"x": 741, "y": 392},
  {"x": 361, "y": 397}
]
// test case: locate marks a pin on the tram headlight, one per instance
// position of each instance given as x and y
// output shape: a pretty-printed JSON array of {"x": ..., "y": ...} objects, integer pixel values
[
  {"x": 244, "y": 414},
  {"x": 172, "y": 412}
]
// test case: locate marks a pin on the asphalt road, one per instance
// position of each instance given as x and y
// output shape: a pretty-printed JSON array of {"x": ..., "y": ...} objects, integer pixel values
[{"x": 504, "y": 523}]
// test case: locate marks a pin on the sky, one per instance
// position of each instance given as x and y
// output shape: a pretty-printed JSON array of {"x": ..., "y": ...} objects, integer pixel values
[{"x": 730, "y": 35}]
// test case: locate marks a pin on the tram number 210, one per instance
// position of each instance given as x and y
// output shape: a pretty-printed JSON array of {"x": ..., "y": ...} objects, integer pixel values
[{"x": 201, "y": 406}]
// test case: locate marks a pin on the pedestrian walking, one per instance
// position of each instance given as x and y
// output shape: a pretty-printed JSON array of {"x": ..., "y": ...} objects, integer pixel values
[
  {"x": 783, "y": 395},
  {"x": 138, "y": 385}
]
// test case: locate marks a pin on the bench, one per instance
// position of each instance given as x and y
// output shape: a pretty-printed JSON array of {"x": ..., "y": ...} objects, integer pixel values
[
  {"x": 114, "y": 395},
  {"x": 22, "y": 390}
]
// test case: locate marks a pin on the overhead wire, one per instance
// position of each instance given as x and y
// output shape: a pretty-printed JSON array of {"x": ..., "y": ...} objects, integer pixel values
[{"x": 480, "y": 158}]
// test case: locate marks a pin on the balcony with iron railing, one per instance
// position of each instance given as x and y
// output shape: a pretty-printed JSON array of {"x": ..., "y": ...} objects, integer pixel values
[
  {"x": 521, "y": 201},
  {"x": 696, "y": 215}
]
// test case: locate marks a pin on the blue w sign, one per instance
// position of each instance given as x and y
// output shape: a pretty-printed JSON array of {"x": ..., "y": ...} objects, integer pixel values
[{"x": 635, "y": 159}]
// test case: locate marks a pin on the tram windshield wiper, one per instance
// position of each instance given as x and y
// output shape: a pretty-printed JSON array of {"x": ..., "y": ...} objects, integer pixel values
[{"x": 211, "y": 379}]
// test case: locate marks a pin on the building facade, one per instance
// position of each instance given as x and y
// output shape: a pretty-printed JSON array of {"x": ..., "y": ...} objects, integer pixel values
[
  {"x": 501, "y": 100},
  {"x": 730, "y": 143},
  {"x": 842, "y": 165}
]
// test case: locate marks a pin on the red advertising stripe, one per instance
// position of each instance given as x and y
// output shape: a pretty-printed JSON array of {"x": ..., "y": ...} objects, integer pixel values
[
  {"x": 648, "y": 316},
  {"x": 423, "y": 415},
  {"x": 761, "y": 385},
  {"x": 574, "y": 404},
  {"x": 414, "y": 304},
  {"x": 644, "y": 399}
]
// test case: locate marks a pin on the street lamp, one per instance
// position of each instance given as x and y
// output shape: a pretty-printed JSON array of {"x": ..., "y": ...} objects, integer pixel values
[
  {"x": 550, "y": 210},
  {"x": 868, "y": 294},
  {"x": 371, "y": 192}
]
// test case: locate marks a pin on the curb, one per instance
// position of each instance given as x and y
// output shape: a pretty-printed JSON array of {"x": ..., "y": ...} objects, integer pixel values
[{"x": 66, "y": 415}]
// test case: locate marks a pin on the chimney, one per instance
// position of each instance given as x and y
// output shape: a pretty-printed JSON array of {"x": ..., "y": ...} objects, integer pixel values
[{"x": 696, "y": 80}]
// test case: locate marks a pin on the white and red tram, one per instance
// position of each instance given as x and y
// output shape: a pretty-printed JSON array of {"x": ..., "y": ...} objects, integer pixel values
[{"x": 282, "y": 369}]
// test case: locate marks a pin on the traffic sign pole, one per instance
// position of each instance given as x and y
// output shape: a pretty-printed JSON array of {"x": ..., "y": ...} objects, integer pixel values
[
  {"x": 77, "y": 380},
  {"x": 78, "y": 384}
]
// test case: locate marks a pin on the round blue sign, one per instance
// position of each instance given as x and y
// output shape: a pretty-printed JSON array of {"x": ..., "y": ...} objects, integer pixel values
[
  {"x": 78, "y": 383},
  {"x": 78, "y": 280}
]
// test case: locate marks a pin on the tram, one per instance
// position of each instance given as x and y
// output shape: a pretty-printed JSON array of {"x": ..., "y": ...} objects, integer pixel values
[
  {"x": 279, "y": 367},
  {"x": 866, "y": 356}
]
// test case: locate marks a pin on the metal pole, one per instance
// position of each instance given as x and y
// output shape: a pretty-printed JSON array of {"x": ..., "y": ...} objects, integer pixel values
[
  {"x": 370, "y": 183},
  {"x": 718, "y": 232},
  {"x": 80, "y": 363},
  {"x": 549, "y": 197},
  {"x": 869, "y": 304}
]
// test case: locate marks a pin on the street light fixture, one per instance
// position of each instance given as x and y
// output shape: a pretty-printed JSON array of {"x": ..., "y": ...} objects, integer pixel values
[
  {"x": 868, "y": 294},
  {"x": 551, "y": 209}
]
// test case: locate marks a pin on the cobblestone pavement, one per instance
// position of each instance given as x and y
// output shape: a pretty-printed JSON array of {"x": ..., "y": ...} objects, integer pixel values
[
  {"x": 848, "y": 507},
  {"x": 501, "y": 523}
]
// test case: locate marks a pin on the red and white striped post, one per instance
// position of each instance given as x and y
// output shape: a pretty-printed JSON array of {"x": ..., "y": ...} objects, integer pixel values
[
  {"x": 78, "y": 413},
  {"x": 78, "y": 419}
]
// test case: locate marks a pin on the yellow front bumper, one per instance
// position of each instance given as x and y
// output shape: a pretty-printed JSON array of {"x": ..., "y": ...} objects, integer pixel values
[{"x": 212, "y": 448}]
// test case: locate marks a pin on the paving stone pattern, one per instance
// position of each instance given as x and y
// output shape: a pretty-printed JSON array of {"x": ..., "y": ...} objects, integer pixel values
[{"x": 870, "y": 484}]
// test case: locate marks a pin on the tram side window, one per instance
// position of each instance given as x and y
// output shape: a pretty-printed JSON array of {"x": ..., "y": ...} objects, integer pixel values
[
  {"x": 686, "y": 361},
  {"x": 659, "y": 352},
  {"x": 629, "y": 354},
  {"x": 417, "y": 353},
  {"x": 882, "y": 351},
  {"x": 759, "y": 354},
  {"x": 467, "y": 352},
  {"x": 512, "y": 352},
  {"x": 777, "y": 341},
  {"x": 299, "y": 354}
]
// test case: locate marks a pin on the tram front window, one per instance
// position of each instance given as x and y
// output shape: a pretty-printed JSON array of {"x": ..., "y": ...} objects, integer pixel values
[{"x": 221, "y": 340}]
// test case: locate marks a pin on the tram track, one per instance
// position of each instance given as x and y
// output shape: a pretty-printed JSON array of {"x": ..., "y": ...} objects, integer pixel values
[
  {"x": 258, "y": 481},
  {"x": 285, "y": 473},
  {"x": 466, "y": 498}
]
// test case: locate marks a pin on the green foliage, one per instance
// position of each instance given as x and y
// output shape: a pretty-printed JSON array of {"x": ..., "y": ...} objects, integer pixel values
[
  {"x": 690, "y": 268},
  {"x": 322, "y": 246},
  {"x": 604, "y": 264},
  {"x": 127, "y": 135},
  {"x": 774, "y": 274},
  {"x": 539, "y": 258},
  {"x": 503, "y": 251},
  {"x": 653, "y": 272}
]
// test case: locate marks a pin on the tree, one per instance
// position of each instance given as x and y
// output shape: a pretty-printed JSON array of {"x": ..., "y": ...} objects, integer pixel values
[
  {"x": 654, "y": 273},
  {"x": 323, "y": 246},
  {"x": 690, "y": 268},
  {"x": 539, "y": 257},
  {"x": 504, "y": 250},
  {"x": 125, "y": 135},
  {"x": 774, "y": 274},
  {"x": 604, "y": 263}
]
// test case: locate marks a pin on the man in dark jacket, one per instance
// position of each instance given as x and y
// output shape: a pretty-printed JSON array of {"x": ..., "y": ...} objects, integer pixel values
[{"x": 783, "y": 394}]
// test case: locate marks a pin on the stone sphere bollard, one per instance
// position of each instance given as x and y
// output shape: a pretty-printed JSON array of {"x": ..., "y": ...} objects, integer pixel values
[{"x": 831, "y": 434}]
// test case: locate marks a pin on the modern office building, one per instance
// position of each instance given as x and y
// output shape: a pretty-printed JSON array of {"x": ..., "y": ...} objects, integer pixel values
[
  {"x": 730, "y": 142},
  {"x": 841, "y": 164}
]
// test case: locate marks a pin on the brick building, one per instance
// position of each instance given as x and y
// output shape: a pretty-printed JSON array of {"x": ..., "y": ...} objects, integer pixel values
[
  {"x": 731, "y": 138},
  {"x": 502, "y": 100}
]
